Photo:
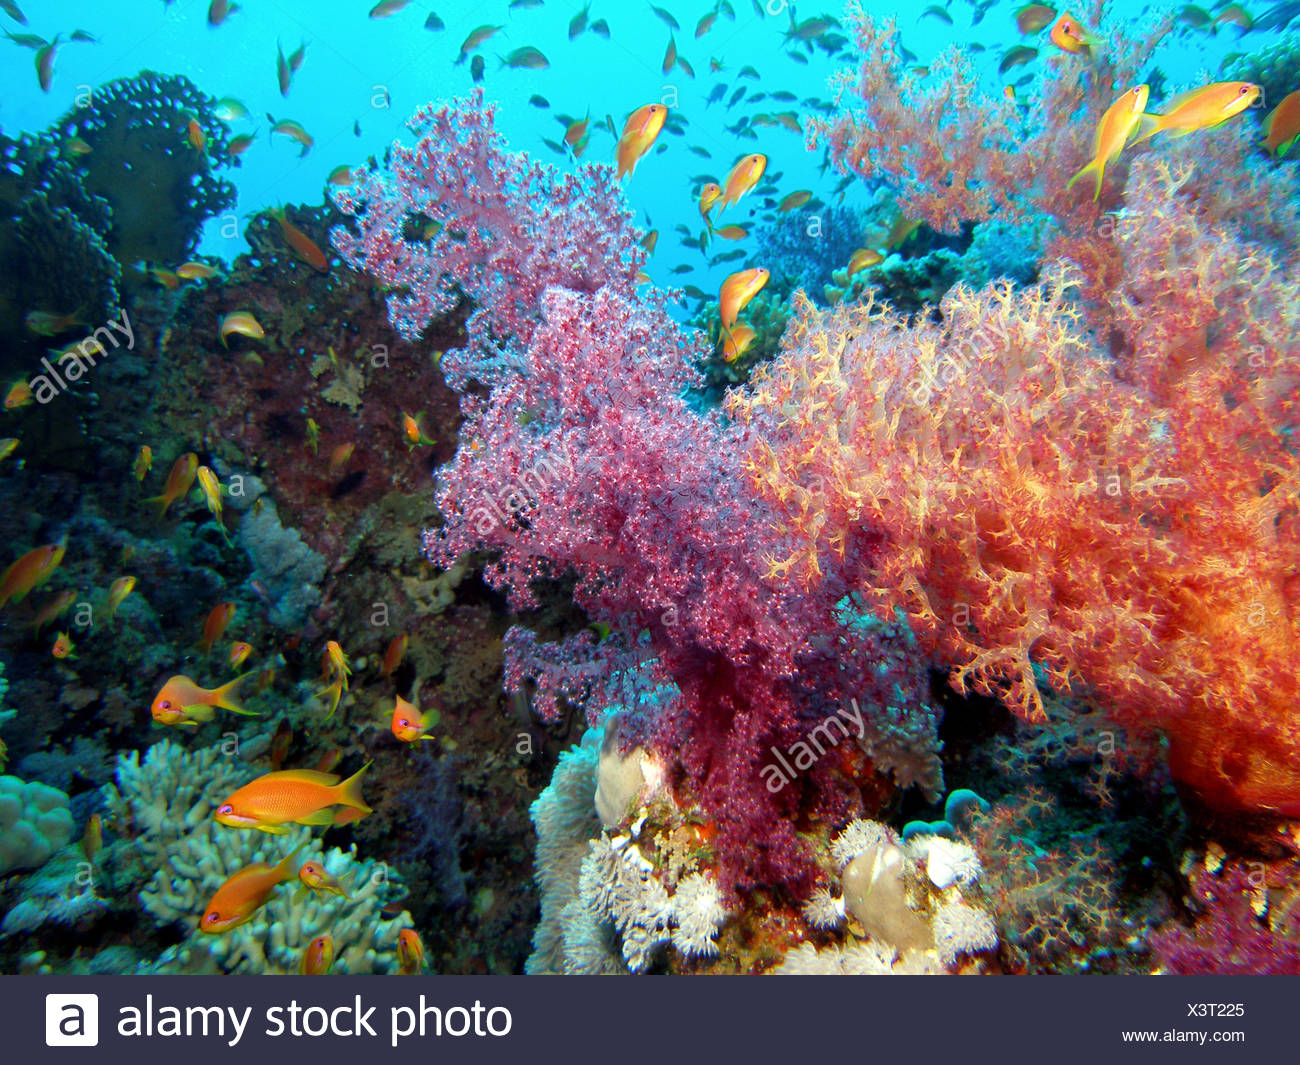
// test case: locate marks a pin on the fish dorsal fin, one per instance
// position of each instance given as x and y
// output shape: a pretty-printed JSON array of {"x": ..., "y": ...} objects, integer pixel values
[
  {"x": 306, "y": 776},
  {"x": 1178, "y": 99}
]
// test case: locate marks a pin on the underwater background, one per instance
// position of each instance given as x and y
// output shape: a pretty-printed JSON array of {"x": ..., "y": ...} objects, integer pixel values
[{"x": 599, "y": 488}]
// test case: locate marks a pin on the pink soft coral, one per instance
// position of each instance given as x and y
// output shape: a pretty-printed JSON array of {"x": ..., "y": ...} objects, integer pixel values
[{"x": 457, "y": 216}]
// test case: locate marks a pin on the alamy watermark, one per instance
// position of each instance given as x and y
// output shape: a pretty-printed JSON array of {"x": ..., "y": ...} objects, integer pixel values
[{"x": 76, "y": 361}]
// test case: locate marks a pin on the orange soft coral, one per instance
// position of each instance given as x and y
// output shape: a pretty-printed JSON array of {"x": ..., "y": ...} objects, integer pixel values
[{"x": 1050, "y": 511}]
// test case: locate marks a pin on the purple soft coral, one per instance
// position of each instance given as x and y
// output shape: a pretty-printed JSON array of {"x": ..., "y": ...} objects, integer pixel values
[{"x": 586, "y": 458}]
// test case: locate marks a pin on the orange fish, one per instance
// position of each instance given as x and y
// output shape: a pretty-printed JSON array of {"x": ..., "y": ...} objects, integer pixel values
[
  {"x": 182, "y": 702},
  {"x": 280, "y": 743},
  {"x": 732, "y": 232},
  {"x": 303, "y": 246},
  {"x": 709, "y": 195},
  {"x": 1069, "y": 36},
  {"x": 576, "y": 130},
  {"x": 1202, "y": 108},
  {"x": 18, "y": 396},
  {"x": 1033, "y": 17},
  {"x": 197, "y": 138},
  {"x": 245, "y": 893},
  {"x": 316, "y": 881},
  {"x": 239, "y": 653},
  {"x": 29, "y": 572},
  {"x": 1283, "y": 125},
  {"x": 410, "y": 952},
  {"x": 340, "y": 455},
  {"x": 294, "y": 796},
  {"x": 52, "y": 608},
  {"x": 336, "y": 660},
  {"x": 864, "y": 259},
  {"x": 736, "y": 341},
  {"x": 413, "y": 432},
  {"x": 169, "y": 279},
  {"x": 743, "y": 177},
  {"x": 195, "y": 271},
  {"x": 143, "y": 462},
  {"x": 1116, "y": 128},
  {"x": 394, "y": 655},
  {"x": 294, "y": 131},
  {"x": 409, "y": 724},
  {"x": 215, "y": 626},
  {"x": 63, "y": 646},
  {"x": 900, "y": 232},
  {"x": 92, "y": 839},
  {"x": 179, "y": 481},
  {"x": 117, "y": 593},
  {"x": 737, "y": 291},
  {"x": 241, "y": 322},
  {"x": 317, "y": 957},
  {"x": 639, "y": 133}
]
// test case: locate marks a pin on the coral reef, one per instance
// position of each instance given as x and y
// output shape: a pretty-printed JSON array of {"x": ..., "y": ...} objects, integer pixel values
[
  {"x": 286, "y": 570},
  {"x": 62, "y": 892}
]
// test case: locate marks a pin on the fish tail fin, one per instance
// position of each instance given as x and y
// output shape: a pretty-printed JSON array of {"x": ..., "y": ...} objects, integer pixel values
[
  {"x": 1094, "y": 166},
  {"x": 160, "y": 505},
  {"x": 284, "y": 870},
  {"x": 225, "y": 695},
  {"x": 1149, "y": 126},
  {"x": 348, "y": 793},
  {"x": 335, "y": 690}
]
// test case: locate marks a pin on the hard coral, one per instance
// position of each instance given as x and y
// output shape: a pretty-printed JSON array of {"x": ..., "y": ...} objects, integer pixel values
[{"x": 160, "y": 188}]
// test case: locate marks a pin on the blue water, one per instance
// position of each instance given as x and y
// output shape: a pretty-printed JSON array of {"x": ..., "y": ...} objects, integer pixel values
[{"x": 374, "y": 73}]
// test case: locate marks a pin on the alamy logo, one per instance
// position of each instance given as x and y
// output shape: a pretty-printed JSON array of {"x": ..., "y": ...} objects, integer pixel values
[{"x": 71, "y": 1020}]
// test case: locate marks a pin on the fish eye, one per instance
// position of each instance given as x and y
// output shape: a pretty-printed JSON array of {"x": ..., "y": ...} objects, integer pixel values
[
  {"x": 1245, "y": 89},
  {"x": 166, "y": 704},
  {"x": 226, "y": 808},
  {"x": 212, "y": 917},
  {"x": 404, "y": 723}
]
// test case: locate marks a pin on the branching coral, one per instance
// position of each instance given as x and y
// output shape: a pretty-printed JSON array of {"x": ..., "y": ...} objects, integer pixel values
[
  {"x": 165, "y": 803},
  {"x": 1053, "y": 904}
]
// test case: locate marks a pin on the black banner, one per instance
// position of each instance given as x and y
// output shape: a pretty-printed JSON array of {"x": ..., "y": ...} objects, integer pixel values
[{"x": 628, "y": 1021}]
